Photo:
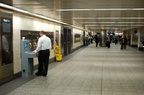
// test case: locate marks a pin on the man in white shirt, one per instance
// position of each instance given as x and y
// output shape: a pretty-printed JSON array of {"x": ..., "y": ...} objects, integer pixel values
[{"x": 43, "y": 48}]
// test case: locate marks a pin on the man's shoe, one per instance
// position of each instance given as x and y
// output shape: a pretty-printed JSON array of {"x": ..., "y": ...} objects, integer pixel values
[
  {"x": 44, "y": 74},
  {"x": 38, "y": 74}
]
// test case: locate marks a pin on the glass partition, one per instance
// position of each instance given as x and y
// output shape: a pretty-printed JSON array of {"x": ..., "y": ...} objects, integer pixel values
[
  {"x": 6, "y": 34},
  {"x": 6, "y": 44},
  {"x": 33, "y": 37}
]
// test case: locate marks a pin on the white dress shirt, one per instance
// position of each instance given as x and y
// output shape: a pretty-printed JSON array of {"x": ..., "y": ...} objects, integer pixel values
[{"x": 44, "y": 43}]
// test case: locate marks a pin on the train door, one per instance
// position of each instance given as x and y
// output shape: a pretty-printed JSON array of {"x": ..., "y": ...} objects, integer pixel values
[
  {"x": 66, "y": 41},
  {"x": 6, "y": 45},
  {"x": 69, "y": 40}
]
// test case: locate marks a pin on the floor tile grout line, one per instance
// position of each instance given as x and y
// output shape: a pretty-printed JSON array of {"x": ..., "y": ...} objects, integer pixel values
[{"x": 102, "y": 79}]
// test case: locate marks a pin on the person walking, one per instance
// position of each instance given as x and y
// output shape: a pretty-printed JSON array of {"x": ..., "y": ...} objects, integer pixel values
[
  {"x": 43, "y": 50},
  {"x": 116, "y": 40},
  {"x": 123, "y": 43},
  {"x": 108, "y": 42},
  {"x": 87, "y": 40},
  {"x": 96, "y": 40}
]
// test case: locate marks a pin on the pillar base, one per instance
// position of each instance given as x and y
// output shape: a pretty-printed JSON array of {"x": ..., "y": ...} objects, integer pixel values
[
  {"x": 133, "y": 45},
  {"x": 141, "y": 48}
]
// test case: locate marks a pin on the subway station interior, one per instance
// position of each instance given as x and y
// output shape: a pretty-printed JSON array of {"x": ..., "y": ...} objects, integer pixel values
[{"x": 77, "y": 65}]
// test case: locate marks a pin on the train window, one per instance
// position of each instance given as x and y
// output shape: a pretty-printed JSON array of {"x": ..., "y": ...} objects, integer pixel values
[{"x": 6, "y": 40}]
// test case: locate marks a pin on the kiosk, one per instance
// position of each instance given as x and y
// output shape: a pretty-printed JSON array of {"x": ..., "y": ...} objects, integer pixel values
[{"x": 27, "y": 58}]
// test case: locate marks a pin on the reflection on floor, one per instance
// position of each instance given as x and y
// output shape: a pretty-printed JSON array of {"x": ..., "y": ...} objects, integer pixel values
[{"x": 91, "y": 71}]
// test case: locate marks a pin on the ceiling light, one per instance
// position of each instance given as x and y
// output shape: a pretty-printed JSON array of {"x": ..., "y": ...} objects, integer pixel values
[
  {"x": 36, "y": 15},
  {"x": 114, "y": 22},
  {"x": 112, "y": 18},
  {"x": 114, "y": 25},
  {"x": 109, "y": 28},
  {"x": 110, "y": 9}
]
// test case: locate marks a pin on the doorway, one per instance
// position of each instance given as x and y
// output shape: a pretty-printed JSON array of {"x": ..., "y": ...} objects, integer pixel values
[
  {"x": 6, "y": 45},
  {"x": 66, "y": 41}
]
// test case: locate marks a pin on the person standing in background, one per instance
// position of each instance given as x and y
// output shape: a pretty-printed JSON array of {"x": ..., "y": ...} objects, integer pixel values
[
  {"x": 96, "y": 40},
  {"x": 116, "y": 40},
  {"x": 91, "y": 38},
  {"x": 84, "y": 40},
  {"x": 87, "y": 40},
  {"x": 108, "y": 42},
  {"x": 43, "y": 48},
  {"x": 123, "y": 42}
]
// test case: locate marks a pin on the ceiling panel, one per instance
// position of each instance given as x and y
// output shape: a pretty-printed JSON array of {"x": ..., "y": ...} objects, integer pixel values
[{"x": 49, "y": 8}]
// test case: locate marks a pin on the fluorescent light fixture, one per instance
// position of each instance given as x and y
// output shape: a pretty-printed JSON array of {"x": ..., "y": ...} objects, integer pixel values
[
  {"x": 114, "y": 25},
  {"x": 29, "y": 13},
  {"x": 109, "y": 28},
  {"x": 95, "y": 28},
  {"x": 111, "y": 18},
  {"x": 36, "y": 15},
  {"x": 114, "y": 22},
  {"x": 13, "y": 8},
  {"x": 110, "y": 9}
]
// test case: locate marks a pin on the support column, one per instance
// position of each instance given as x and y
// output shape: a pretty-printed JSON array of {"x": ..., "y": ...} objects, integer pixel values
[
  {"x": 128, "y": 36},
  {"x": 141, "y": 39},
  {"x": 134, "y": 38},
  {"x": 103, "y": 38}
]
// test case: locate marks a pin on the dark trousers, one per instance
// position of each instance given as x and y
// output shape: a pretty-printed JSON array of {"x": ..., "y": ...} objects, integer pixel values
[
  {"x": 43, "y": 59},
  {"x": 123, "y": 45},
  {"x": 108, "y": 44},
  {"x": 86, "y": 42},
  {"x": 96, "y": 44}
]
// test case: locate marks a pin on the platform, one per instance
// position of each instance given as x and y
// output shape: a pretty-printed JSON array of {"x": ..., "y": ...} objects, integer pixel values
[{"x": 89, "y": 71}]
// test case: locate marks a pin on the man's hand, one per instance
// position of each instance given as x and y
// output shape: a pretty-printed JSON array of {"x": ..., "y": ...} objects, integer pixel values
[{"x": 34, "y": 53}]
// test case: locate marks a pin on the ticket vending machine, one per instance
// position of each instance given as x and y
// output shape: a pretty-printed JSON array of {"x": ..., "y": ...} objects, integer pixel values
[{"x": 27, "y": 58}]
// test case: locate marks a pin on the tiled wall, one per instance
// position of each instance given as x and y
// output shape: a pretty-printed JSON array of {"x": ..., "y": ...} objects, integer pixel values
[
  {"x": 24, "y": 22},
  {"x": 78, "y": 44}
]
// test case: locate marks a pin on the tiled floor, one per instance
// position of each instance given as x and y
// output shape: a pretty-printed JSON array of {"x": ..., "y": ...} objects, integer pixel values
[{"x": 92, "y": 71}]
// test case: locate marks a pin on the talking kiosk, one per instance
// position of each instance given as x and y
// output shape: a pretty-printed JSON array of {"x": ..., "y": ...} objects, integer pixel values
[{"x": 27, "y": 58}]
